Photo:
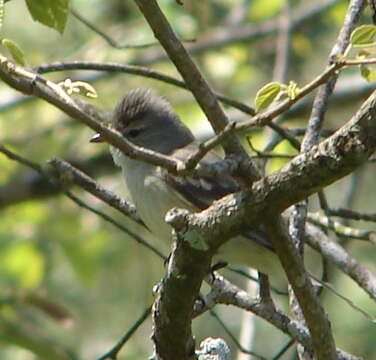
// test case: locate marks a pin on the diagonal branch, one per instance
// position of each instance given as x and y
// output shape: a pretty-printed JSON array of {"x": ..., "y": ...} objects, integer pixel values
[
  {"x": 322, "y": 97},
  {"x": 32, "y": 84},
  {"x": 314, "y": 313},
  {"x": 220, "y": 38},
  {"x": 234, "y": 214},
  {"x": 327, "y": 162},
  {"x": 299, "y": 214},
  {"x": 86, "y": 182},
  {"x": 56, "y": 182},
  {"x": 26, "y": 184},
  {"x": 337, "y": 255},
  {"x": 136, "y": 70},
  {"x": 193, "y": 78}
]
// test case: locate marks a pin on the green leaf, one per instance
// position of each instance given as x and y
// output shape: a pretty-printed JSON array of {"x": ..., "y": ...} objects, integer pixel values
[
  {"x": 266, "y": 95},
  {"x": 363, "y": 36},
  {"x": 52, "y": 13},
  {"x": 368, "y": 73},
  {"x": 292, "y": 90},
  {"x": 15, "y": 51}
]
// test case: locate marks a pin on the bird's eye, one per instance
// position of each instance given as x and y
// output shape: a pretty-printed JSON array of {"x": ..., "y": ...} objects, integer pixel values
[{"x": 133, "y": 133}]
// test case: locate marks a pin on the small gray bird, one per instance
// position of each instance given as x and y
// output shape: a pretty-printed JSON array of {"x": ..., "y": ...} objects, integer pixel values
[{"x": 149, "y": 121}]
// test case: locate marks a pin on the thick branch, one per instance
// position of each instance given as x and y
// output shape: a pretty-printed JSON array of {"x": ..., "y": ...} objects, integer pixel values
[
  {"x": 332, "y": 159},
  {"x": 327, "y": 162},
  {"x": 173, "y": 308}
]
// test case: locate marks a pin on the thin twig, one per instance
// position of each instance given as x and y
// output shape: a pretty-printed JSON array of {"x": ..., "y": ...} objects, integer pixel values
[
  {"x": 193, "y": 78},
  {"x": 56, "y": 182},
  {"x": 90, "y": 185},
  {"x": 341, "y": 229},
  {"x": 136, "y": 70},
  {"x": 322, "y": 97},
  {"x": 113, "y": 353},
  {"x": 265, "y": 117},
  {"x": 351, "y": 214},
  {"x": 106, "y": 37},
  {"x": 337, "y": 255},
  {"x": 241, "y": 272},
  {"x": 233, "y": 337},
  {"x": 283, "y": 350}
]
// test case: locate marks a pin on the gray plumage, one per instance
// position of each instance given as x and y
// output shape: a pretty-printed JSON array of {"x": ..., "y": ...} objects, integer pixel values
[
  {"x": 153, "y": 118},
  {"x": 150, "y": 122}
]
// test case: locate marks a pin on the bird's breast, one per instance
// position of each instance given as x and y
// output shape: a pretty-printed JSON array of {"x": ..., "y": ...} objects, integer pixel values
[{"x": 152, "y": 196}]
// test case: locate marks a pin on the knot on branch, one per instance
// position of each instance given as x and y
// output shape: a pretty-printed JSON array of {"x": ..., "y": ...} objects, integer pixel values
[{"x": 179, "y": 220}]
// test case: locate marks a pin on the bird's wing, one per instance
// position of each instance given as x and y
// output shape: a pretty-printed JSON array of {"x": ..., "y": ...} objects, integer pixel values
[{"x": 203, "y": 190}]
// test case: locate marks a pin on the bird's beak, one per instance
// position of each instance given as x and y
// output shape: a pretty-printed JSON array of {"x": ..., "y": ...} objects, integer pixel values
[{"x": 97, "y": 138}]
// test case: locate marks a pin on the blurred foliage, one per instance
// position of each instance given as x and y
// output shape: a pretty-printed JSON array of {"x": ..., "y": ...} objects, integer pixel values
[{"x": 50, "y": 248}]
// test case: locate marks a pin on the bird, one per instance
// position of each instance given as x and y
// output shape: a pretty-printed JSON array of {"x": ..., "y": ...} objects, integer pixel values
[{"x": 147, "y": 120}]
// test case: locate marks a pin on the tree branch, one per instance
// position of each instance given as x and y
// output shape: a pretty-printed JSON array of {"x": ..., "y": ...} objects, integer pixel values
[
  {"x": 136, "y": 70},
  {"x": 351, "y": 214},
  {"x": 330, "y": 160},
  {"x": 56, "y": 182},
  {"x": 71, "y": 174},
  {"x": 341, "y": 229},
  {"x": 337, "y": 255},
  {"x": 314, "y": 314},
  {"x": 224, "y": 292},
  {"x": 26, "y": 185},
  {"x": 196, "y": 83},
  {"x": 219, "y": 38},
  {"x": 321, "y": 99},
  {"x": 32, "y": 84}
]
